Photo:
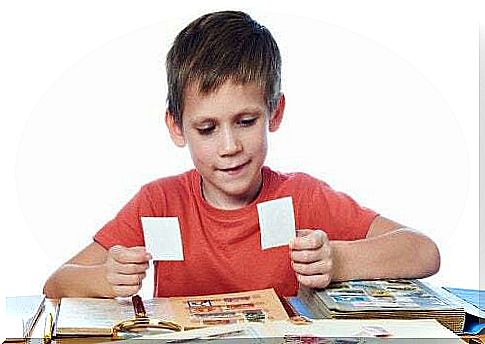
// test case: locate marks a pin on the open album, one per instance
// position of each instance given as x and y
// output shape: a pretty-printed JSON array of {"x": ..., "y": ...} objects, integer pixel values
[
  {"x": 385, "y": 299},
  {"x": 91, "y": 316}
]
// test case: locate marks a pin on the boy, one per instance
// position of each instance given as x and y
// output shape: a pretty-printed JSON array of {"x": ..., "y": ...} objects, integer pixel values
[{"x": 223, "y": 73}]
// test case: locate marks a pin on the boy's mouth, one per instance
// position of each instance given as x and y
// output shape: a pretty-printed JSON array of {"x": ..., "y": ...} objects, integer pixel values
[{"x": 235, "y": 169}]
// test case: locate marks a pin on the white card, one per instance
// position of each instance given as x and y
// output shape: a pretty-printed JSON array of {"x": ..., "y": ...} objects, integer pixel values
[
  {"x": 162, "y": 238},
  {"x": 276, "y": 222}
]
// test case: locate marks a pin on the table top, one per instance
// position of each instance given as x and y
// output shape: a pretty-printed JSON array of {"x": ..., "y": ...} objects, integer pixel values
[{"x": 50, "y": 308}]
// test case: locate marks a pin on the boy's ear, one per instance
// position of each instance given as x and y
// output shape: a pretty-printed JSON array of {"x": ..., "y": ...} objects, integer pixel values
[
  {"x": 176, "y": 132},
  {"x": 277, "y": 115}
]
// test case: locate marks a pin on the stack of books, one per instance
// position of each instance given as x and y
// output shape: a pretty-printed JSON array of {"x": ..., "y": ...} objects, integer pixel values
[{"x": 384, "y": 299}]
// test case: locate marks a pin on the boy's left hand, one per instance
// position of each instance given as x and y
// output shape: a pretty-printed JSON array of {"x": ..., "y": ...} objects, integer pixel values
[{"x": 311, "y": 258}]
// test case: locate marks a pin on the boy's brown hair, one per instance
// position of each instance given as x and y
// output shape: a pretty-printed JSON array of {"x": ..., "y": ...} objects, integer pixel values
[{"x": 218, "y": 47}]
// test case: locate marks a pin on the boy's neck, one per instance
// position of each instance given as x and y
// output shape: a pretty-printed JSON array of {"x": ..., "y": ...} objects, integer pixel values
[{"x": 225, "y": 202}]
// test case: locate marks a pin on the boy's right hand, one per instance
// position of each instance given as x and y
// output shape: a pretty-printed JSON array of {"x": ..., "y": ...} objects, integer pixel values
[{"x": 125, "y": 269}]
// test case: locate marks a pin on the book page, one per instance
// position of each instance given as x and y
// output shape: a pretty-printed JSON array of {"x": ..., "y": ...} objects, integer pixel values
[
  {"x": 251, "y": 306},
  {"x": 93, "y": 316},
  {"x": 383, "y": 294}
]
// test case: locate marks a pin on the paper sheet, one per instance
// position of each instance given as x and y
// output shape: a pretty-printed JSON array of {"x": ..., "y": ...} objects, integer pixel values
[
  {"x": 162, "y": 238},
  {"x": 276, "y": 222}
]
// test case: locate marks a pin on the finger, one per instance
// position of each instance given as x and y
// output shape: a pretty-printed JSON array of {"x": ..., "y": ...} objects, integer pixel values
[
  {"x": 141, "y": 249},
  {"x": 314, "y": 281},
  {"x": 126, "y": 280},
  {"x": 311, "y": 241},
  {"x": 129, "y": 268},
  {"x": 306, "y": 256},
  {"x": 316, "y": 268},
  {"x": 125, "y": 290},
  {"x": 310, "y": 256},
  {"x": 136, "y": 254}
]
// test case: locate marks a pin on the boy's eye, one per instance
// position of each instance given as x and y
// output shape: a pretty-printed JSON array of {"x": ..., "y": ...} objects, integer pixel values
[
  {"x": 206, "y": 130},
  {"x": 246, "y": 122}
]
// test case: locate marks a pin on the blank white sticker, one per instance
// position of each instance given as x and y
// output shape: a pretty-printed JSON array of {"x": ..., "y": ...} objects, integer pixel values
[
  {"x": 162, "y": 238},
  {"x": 276, "y": 222}
]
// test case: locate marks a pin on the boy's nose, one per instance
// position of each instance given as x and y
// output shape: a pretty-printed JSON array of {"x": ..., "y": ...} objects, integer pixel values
[{"x": 229, "y": 143}]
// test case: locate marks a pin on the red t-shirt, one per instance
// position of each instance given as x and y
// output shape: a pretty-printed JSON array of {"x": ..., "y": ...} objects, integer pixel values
[{"x": 222, "y": 248}]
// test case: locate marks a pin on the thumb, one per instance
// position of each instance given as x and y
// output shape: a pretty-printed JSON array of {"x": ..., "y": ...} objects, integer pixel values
[
  {"x": 116, "y": 251},
  {"x": 304, "y": 232}
]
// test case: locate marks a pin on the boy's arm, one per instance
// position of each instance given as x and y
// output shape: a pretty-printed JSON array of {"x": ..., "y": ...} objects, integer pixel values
[
  {"x": 97, "y": 272},
  {"x": 390, "y": 250}
]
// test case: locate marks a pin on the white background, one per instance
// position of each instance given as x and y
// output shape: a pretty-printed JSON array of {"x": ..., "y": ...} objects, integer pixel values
[{"x": 382, "y": 103}]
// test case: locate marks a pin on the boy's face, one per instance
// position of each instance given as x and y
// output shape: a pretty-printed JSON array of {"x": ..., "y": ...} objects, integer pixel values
[{"x": 226, "y": 132}]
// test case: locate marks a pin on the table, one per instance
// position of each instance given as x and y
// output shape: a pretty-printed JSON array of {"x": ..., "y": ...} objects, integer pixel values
[{"x": 50, "y": 308}]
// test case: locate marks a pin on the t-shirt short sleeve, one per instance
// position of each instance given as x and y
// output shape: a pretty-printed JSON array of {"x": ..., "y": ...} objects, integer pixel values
[
  {"x": 125, "y": 229},
  {"x": 338, "y": 214}
]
